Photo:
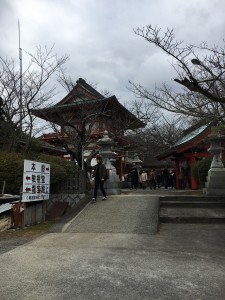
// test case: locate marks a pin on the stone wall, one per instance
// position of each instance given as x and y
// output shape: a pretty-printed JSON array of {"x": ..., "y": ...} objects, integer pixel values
[{"x": 71, "y": 190}]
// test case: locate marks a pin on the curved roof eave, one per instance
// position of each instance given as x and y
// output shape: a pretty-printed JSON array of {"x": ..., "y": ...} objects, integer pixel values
[
  {"x": 185, "y": 141},
  {"x": 42, "y": 113}
]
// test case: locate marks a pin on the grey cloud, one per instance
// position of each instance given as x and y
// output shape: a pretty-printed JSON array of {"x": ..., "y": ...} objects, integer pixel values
[{"x": 99, "y": 37}]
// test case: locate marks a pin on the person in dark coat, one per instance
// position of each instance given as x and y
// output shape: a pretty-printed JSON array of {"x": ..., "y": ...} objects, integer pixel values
[
  {"x": 166, "y": 178},
  {"x": 99, "y": 175},
  {"x": 152, "y": 179},
  {"x": 172, "y": 179},
  {"x": 134, "y": 178}
]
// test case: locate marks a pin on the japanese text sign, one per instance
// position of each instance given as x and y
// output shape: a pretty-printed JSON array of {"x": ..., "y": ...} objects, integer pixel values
[{"x": 36, "y": 181}]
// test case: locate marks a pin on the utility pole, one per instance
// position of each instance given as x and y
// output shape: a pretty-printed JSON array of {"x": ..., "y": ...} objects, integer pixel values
[{"x": 21, "y": 81}]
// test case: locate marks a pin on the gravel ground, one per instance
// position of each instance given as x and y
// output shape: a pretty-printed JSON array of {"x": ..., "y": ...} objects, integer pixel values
[{"x": 12, "y": 238}]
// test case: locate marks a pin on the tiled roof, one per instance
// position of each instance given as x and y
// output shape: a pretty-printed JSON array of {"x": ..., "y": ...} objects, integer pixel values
[{"x": 192, "y": 137}]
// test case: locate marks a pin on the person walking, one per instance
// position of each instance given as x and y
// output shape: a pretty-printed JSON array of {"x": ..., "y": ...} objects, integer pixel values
[
  {"x": 166, "y": 178},
  {"x": 99, "y": 176},
  {"x": 134, "y": 178},
  {"x": 144, "y": 179},
  {"x": 172, "y": 179},
  {"x": 152, "y": 179}
]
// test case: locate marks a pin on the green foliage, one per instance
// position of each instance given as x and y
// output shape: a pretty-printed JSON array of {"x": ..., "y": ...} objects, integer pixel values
[
  {"x": 200, "y": 170},
  {"x": 69, "y": 166},
  {"x": 58, "y": 173},
  {"x": 34, "y": 144},
  {"x": 11, "y": 169},
  {"x": 219, "y": 129}
]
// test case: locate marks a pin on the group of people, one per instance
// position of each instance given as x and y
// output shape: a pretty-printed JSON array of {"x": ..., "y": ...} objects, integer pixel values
[
  {"x": 139, "y": 179},
  {"x": 152, "y": 179}
]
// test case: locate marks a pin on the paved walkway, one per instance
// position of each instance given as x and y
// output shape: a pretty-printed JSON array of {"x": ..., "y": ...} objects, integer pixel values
[
  {"x": 119, "y": 214},
  {"x": 109, "y": 251}
]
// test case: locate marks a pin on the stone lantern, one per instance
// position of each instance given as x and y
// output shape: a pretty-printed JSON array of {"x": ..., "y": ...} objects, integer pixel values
[
  {"x": 215, "y": 184},
  {"x": 112, "y": 184},
  {"x": 137, "y": 162}
]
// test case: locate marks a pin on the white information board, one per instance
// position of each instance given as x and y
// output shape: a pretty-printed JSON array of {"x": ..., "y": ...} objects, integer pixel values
[{"x": 36, "y": 181}]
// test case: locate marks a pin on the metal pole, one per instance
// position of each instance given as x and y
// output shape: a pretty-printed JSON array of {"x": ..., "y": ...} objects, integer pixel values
[
  {"x": 82, "y": 154},
  {"x": 21, "y": 82},
  {"x": 3, "y": 188}
]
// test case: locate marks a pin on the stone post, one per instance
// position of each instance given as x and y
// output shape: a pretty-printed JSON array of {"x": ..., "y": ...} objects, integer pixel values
[{"x": 215, "y": 184}]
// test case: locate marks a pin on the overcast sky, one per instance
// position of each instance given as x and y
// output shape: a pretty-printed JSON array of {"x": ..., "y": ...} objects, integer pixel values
[{"x": 98, "y": 35}]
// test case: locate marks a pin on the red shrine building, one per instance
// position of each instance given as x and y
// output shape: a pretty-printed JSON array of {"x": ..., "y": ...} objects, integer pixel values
[
  {"x": 86, "y": 111},
  {"x": 187, "y": 151}
]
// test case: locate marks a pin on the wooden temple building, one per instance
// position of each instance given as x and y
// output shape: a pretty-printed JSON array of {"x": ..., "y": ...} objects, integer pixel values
[
  {"x": 187, "y": 151},
  {"x": 86, "y": 111}
]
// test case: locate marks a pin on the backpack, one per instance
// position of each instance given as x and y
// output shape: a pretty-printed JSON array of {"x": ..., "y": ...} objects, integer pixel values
[{"x": 106, "y": 175}]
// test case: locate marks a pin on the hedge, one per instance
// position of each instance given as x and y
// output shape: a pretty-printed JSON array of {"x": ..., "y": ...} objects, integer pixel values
[{"x": 11, "y": 169}]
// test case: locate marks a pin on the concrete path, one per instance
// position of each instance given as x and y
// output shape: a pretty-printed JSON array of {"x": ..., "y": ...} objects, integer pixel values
[
  {"x": 109, "y": 251},
  {"x": 119, "y": 214}
]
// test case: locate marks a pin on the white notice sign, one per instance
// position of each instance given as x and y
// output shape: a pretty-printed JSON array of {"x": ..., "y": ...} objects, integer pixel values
[{"x": 36, "y": 181}]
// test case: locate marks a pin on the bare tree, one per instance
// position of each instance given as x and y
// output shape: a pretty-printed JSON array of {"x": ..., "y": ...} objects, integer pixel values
[
  {"x": 200, "y": 71},
  {"x": 69, "y": 83},
  {"x": 144, "y": 111},
  {"x": 74, "y": 134},
  {"x": 35, "y": 91},
  {"x": 161, "y": 131}
]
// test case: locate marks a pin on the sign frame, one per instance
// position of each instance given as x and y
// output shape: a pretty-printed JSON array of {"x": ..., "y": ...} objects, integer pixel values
[{"x": 36, "y": 181}]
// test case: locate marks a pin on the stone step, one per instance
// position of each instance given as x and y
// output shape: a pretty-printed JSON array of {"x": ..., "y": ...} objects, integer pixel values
[
  {"x": 189, "y": 198},
  {"x": 192, "y": 215},
  {"x": 214, "y": 191},
  {"x": 192, "y": 220},
  {"x": 171, "y": 203}
]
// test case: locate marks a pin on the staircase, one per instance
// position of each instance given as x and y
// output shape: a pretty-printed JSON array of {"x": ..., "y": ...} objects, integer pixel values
[{"x": 192, "y": 209}]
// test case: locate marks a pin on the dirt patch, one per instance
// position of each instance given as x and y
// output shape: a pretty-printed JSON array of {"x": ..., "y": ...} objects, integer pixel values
[
  {"x": 5, "y": 223},
  {"x": 12, "y": 238}
]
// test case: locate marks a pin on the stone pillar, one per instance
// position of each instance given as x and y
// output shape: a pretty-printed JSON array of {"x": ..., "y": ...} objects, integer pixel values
[
  {"x": 177, "y": 173},
  {"x": 193, "y": 181},
  {"x": 215, "y": 184}
]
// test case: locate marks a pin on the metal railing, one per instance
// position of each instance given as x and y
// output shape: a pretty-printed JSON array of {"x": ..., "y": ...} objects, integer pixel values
[{"x": 74, "y": 184}]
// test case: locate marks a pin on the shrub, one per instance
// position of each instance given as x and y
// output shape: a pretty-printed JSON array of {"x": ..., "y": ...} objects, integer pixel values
[
  {"x": 200, "y": 170},
  {"x": 57, "y": 174},
  {"x": 11, "y": 169},
  {"x": 69, "y": 166}
]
